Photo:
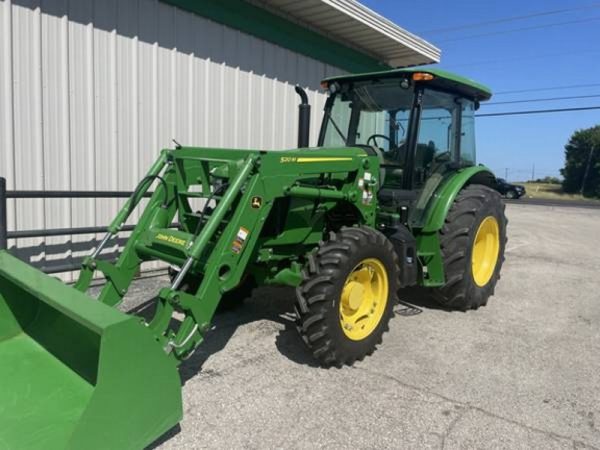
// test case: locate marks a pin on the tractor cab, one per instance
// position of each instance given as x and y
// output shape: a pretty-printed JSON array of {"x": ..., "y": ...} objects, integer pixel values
[{"x": 418, "y": 122}]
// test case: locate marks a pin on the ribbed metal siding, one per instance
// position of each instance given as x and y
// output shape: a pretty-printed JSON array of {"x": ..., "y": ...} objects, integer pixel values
[{"x": 91, "y": 90}]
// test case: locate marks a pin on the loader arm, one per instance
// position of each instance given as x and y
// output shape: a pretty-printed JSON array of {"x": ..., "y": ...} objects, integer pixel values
[
  {"x": 217, "y": 244},
  {"x": 223, "y": 201}
]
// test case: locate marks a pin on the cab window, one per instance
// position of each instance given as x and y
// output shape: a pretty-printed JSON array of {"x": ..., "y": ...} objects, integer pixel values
[{"x": 446, "y": 134}]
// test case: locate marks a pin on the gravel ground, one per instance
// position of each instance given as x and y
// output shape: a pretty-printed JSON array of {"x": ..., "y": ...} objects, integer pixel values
[{"x": 522, "y": 372}]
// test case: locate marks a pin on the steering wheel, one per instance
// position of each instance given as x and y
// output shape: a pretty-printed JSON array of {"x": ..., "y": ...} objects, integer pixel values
[
  {"x": 373, "y": 138},
  {"x": 390, "y": 154},
  {"x": 393, "y": 154}
]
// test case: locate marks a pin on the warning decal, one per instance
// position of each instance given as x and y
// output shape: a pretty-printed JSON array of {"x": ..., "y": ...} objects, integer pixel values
[{"x": 240, "y": 238}]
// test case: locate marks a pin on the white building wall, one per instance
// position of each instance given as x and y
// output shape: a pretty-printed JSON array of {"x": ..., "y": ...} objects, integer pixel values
[{"x": 91, "y": 90}]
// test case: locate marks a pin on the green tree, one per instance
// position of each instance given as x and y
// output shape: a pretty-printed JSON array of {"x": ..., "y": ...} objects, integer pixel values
[{"x": 582, "y": 163}]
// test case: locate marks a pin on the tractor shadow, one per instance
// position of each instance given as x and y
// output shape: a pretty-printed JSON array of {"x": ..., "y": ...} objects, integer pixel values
[
  {"x": 414, "y": 300},
  {"x": 165, "y": 437},
  {"x": 275, "y": 304}
]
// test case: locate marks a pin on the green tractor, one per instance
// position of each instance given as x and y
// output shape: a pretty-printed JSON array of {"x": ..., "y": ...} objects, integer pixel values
[{"x": 390, "y": 198}]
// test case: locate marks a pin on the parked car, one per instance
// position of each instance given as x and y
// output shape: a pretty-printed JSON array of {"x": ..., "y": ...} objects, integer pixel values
[{"x": 509, "y": 190}]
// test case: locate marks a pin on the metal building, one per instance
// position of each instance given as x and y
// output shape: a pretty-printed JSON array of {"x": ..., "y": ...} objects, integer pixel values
[{"x": 91, "y": 90}]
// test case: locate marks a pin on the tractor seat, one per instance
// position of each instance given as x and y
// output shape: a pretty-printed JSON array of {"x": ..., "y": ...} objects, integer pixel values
[{"x": 389, "y": 170}]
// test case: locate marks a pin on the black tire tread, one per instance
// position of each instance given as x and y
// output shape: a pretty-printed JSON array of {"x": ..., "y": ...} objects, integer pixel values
[
  {"x": 328, "y": 264},
  {"x": 456, "y": 238}
]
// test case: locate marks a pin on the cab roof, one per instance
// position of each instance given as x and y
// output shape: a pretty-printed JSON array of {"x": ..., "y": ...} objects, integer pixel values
[{"x": 441, "y": 79}]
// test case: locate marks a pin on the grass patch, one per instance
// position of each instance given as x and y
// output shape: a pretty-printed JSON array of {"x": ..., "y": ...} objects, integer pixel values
[{"x": 551, "y": 192}]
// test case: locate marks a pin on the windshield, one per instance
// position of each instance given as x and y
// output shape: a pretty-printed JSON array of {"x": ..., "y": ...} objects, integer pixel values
[
  {"x": 377, "y": 113},
  {"x": 381, "y": 110}
]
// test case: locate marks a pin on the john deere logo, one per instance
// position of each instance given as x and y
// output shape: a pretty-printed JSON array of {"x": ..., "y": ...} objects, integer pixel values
[
  {"x": 256, "y": 202},
  {"x": 171, "y": 239}
]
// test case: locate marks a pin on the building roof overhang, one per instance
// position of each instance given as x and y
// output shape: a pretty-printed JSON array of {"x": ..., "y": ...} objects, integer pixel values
[{"x": 341, "y": 33}]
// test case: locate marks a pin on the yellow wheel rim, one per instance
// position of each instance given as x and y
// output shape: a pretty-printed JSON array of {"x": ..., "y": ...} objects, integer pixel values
[
  {"x": 485, "y": 251},
  {"x": 364, "y": 298}
]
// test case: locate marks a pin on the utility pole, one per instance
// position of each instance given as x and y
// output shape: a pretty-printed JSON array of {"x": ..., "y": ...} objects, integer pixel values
[
  {"x": 533, "y": 172},
  {"x": 587, "y": 169},
  {"x": 506, "y": 173}
]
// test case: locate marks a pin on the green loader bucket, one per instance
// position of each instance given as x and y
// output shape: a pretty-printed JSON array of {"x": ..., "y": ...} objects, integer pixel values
[{"x": 76, "y": 373}]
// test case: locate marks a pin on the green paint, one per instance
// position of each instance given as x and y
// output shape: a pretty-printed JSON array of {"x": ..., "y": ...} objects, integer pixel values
[
  {"x": 71, "y": 369},
  {"x": 242, "y": 15},
  {"x": 428, "y": 245},
  {"x": 446, "y": 194},
  {"x": 287, "y": 277},
  {"x": 442, "y": 79},
  {"x": 428, "y": 251}
]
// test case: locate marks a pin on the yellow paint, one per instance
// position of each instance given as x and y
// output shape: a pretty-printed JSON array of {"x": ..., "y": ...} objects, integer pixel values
[
  {"x": 486, "y": 248},
  {"x": 171, "y": 239},
  {"x": 364, "y": 298},
  {"x": 323, "y": 159}
]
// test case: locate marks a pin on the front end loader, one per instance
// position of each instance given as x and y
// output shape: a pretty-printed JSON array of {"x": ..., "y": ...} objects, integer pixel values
[{"x": 390, "y": 198}]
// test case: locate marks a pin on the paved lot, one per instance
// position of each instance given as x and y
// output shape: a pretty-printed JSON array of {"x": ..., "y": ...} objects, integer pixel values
[
  {"x": 556, "y": 203},
  {"x": 524, "y": 372}
]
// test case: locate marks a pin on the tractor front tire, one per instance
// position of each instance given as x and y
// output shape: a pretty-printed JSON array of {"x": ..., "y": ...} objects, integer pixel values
[
  {"x": 346, "y": 299},
  {"x": 472, "y": 242}
]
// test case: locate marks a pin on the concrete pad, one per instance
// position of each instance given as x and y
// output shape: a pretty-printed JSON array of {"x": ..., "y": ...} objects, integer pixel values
[{"x": 523, "y": 372}]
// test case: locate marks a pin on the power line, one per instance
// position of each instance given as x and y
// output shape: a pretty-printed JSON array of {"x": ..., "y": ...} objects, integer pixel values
[
  {"x": 537, "y": 111},
  {"x": 509, "y": 19},
  {"x": 515, "y": 30},
  {"x": 548, "y": 99},
  {"x": 524, "y": 58},
  {"x": 515, "y": 113},
  {"x": 552, "y": 88}
]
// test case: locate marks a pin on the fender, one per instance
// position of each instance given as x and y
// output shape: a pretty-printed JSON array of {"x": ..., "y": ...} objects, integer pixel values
[{"x": 447, "y": 193}]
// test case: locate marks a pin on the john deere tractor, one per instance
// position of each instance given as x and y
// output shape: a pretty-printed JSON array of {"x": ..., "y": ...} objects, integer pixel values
[{"x": 390, "y": 197}]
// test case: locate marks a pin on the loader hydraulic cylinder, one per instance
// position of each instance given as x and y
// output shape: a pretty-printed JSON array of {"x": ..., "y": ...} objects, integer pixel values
[
  {"x": 143, "y": 187},
  {"x": 211, "y": 226}
]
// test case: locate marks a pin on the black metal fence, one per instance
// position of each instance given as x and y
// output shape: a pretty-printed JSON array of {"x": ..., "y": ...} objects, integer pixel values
[{"x": 5, "y": 235}]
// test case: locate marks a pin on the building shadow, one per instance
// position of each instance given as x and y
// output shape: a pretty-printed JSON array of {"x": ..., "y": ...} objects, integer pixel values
[{"x": 50, "y": 257}]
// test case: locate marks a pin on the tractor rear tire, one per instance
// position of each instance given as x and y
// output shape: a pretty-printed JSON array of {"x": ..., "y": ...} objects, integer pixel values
[
  {"x": 472, "y": 242},
  {"x": 346, "y": 299}
]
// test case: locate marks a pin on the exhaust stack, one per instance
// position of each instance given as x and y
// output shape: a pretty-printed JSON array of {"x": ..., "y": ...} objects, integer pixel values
[{"x": 303, "y": 118}]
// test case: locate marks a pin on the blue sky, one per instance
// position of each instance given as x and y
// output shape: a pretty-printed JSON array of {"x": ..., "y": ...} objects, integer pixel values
[{"x": 556, "y": 55}]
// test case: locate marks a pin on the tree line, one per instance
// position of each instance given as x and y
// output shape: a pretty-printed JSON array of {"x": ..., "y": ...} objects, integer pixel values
[{"x": 581, "y": 173}]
